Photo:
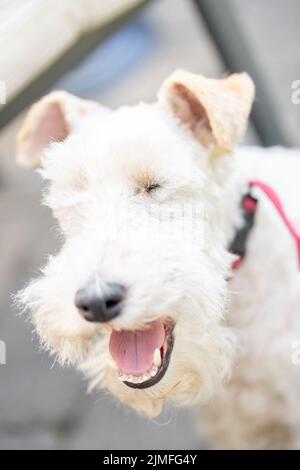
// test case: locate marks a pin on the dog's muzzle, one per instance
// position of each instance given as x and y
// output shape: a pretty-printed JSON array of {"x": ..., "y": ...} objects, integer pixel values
[{"x": 141, "y": 356}]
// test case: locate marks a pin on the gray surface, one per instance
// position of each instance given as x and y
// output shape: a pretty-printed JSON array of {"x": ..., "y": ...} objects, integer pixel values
[
  {"x": 224, "y": 27},
  {"x": 272, "y": 29},
  {"x": 43, "y": 407}
]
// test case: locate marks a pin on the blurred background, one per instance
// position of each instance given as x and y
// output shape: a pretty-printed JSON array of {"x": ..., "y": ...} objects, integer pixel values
[{"x": 117, "y": 52}]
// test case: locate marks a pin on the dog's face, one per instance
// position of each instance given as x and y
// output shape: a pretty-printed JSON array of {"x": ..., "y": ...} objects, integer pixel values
[{"x": 137, "y": 292}]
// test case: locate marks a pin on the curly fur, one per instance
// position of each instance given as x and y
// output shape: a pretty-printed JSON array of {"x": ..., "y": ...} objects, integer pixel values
[{"x": 232, "y": 338}]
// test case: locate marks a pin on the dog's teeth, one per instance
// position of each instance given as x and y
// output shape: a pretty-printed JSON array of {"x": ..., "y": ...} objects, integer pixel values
[
  {"x": 157, "y": 358},
  {"x": 138, "y": 379}
]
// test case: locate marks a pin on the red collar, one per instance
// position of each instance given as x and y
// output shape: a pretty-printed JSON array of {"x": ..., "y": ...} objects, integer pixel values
[{"x": 249, "y": 206}]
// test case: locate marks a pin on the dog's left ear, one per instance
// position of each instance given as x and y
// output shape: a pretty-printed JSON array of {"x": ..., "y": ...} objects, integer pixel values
[
  {"x": 51, "y": 119},
  {"x": 215, "y": 111}
]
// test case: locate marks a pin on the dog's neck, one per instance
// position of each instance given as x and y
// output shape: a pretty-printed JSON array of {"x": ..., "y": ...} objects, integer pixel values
[{"x": 229, "y": 190}]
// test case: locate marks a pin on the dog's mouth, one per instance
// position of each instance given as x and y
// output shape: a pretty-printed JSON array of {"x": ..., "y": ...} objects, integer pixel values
[{"x": 143, "y": 356}]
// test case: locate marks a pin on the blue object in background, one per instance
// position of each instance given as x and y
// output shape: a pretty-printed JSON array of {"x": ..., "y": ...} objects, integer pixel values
[{"x": 111, "y": 61}]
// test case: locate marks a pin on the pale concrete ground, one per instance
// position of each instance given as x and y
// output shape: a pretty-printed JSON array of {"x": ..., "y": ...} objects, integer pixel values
[{"x": 46, "y": 408}]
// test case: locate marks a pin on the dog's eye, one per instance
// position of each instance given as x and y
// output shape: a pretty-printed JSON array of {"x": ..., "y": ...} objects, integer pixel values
[
  {"x": 146, "y": 184},
  {"x": 152, "y": 187}
]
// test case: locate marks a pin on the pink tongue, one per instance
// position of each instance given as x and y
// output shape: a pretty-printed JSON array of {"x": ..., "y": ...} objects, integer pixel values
[{"x": 133, "y": 350}]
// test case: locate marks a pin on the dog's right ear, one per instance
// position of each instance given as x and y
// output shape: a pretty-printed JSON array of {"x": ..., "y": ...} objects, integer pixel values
[
  {"x": 214, "y": 111},
  {"x": 51, "y": 119}
]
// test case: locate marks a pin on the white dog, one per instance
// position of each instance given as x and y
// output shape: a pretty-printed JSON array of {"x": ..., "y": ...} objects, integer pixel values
[{"x": 161, "y": 315}]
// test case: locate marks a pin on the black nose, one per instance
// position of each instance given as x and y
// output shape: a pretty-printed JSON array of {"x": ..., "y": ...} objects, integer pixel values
[{"x": 100, "y": 304}]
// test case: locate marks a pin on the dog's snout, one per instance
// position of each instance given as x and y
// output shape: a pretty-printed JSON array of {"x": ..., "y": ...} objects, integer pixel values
[{"x": 100, "y": 304}]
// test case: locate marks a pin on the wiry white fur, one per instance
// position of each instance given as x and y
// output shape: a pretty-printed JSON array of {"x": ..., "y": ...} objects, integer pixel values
[
  {"x": 238, "y": 332},
  {"x": 90, "y": 174},
  {"x": 260, "y": 404}
]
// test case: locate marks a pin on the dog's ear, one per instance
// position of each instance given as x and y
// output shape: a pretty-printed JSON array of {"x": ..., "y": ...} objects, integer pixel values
[
  {"x": 49, "y": 120},
  {"x": 215, "y": 111}
]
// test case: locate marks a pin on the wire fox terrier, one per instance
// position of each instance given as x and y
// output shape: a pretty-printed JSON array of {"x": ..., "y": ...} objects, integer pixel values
[{"x": 173, "y": 282}]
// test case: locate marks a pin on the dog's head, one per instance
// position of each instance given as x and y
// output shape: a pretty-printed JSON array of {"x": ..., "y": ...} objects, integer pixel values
[{"x": 137, "y": 293}]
